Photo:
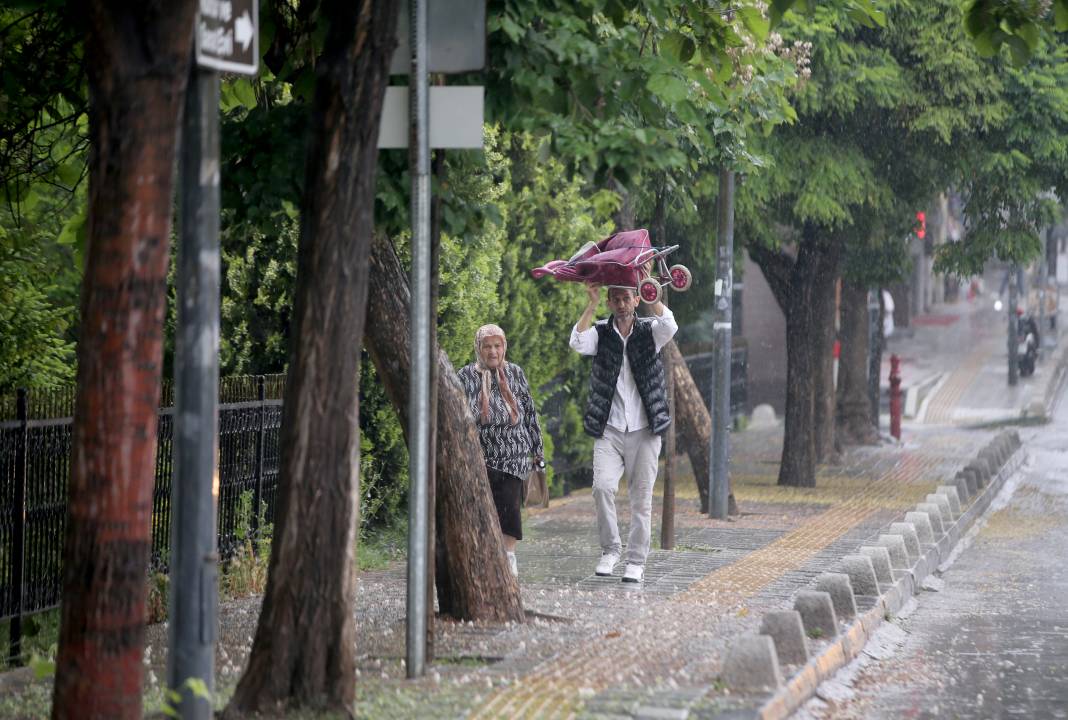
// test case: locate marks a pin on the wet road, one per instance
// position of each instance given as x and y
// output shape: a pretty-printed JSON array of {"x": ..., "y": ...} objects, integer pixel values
[{"x": 992, "y": 640}]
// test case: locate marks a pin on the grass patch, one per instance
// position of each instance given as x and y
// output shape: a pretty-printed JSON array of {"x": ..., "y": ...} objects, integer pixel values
[
  {"x": 378, "y": 547},
  {"x": 40, "y": 634}
]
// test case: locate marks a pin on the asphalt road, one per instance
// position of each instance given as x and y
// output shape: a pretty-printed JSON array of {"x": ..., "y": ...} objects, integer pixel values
[{"x": 989, "y": 639}]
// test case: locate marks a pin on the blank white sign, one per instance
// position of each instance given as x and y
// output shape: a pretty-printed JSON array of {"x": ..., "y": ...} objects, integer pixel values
[{"x": 456, "y": 116}]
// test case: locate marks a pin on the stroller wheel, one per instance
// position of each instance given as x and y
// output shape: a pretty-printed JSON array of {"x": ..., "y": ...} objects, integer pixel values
[
  {"x": 681, "y": 279},
  {"x": 649, "y": 291}
]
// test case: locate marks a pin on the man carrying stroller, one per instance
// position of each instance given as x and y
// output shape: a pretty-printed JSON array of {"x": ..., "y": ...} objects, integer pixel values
[{"x": 626, "y": 412}]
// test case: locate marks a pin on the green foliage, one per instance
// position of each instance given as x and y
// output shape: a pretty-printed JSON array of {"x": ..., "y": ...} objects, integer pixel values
[
  {"x": 1012, "y": 177},
  {"x": 1018, "y": 25},
  {"x": 40, "y": 272},
  {"x": 625, "y": 89},
  {"x": 246, "y": 572}
]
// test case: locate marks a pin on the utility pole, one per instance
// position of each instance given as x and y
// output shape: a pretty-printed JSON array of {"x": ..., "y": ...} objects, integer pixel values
[
  {"x": 194, "y": 559},
  {"x": 419, "y": 398},
  {"x": 1013, "y": 292},
  {"x": 719, "y": 488},
  {"x": 194, "y": 594}
]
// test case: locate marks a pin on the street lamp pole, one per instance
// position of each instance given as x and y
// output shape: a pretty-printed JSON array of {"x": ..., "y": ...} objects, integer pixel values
[{"x": 721, "y": 330}]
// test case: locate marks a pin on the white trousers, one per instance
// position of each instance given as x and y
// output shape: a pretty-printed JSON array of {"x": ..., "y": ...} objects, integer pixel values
[{"x": 635, "y": 455}]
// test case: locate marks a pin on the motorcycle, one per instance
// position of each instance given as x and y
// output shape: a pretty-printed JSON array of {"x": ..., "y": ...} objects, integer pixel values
[{"x": 1026, "y": 343}]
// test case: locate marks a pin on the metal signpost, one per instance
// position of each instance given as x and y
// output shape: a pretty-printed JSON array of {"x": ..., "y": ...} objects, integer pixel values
[
  {"x": 419, "y": 382},
  {"x": 719, "y": 490},
  {"x": 225, "y": 39},
  {"x": 445, "y": 117}
]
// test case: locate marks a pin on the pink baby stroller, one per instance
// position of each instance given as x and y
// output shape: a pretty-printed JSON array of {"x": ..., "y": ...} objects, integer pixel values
[{"x": 619, "y": 261}]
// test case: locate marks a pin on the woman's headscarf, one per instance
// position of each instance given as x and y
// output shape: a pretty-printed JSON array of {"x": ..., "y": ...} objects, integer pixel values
[{"x": 481, "y": 334}]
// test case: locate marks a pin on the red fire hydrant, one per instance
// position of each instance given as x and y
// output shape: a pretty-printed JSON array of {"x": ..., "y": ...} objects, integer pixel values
[{"x": 895, "y": 396}]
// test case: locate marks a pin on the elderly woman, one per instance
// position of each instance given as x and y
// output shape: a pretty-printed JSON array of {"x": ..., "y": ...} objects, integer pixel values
[{"x": 500, "y": 402}]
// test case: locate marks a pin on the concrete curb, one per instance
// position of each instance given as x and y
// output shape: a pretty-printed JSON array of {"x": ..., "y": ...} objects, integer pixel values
[
  {"x": 850, "y": 642},
  {"x": 1052, "y": 390},
  {"x": 916, "y": 395}
]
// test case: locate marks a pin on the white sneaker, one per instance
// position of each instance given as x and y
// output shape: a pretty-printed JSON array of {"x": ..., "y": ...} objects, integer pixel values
[
  {"x": 633, "y": 573},
  {"x": 606, "y": 564},
  {"x": 512, "y": 564}
]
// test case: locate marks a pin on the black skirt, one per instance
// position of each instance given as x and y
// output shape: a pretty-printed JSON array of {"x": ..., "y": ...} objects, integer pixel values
[{"x": 507, "y": 496}]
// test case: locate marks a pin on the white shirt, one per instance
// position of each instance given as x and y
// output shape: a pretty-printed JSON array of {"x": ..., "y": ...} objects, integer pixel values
[{"x": 627, "y": 411}]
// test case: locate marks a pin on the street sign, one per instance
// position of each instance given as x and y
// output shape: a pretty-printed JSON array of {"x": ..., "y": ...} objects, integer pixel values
[
  {"x": 456, "y": 37},
  {"x": 455, "y": 117},
  {"x": 227, "y": 35}
]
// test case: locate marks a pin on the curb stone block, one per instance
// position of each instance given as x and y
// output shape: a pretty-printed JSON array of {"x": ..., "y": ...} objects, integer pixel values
[
  {"x": 841, "y": 592},
  {"x": 880, "y": 562},
  {"x": 912, "y": 541},
  {"x": 934, "y": 514},
  {"x": 980, "y": 471},
  {"x": 861, "y": 572},
  {"x": 992, "y": 468},
  {"x": 942, "y": 502},
  {"x": 951, "y": 492},
  {"x": 817, "y": 612},
  {"x": 923, "y": 526},
  {"x": 787, "y": 630},
  {"x": 751, "y": 664},
  {"x": 965, "y": 482},
  {"x": 895, "y": 546}
]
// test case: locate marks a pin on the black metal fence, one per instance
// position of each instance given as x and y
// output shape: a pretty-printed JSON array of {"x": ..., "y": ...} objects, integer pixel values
[{"x": 35, "y": 445}]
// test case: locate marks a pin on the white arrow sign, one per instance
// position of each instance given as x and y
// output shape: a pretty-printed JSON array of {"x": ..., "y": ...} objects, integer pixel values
[{"x": 243, "y": 30}]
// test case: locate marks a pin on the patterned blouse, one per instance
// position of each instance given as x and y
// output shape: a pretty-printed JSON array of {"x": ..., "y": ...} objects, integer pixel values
[{"x": 506, "y": 447}]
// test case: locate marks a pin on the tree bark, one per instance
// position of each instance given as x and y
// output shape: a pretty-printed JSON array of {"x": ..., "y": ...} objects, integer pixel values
[
  {"x": 478, "y": 584},
  {"x": 304, "y": 650},
  {"x": 694, "y": 426},
  {"x": 796, "y": 285},
  {"x": 137, "y": 58},
  {"x": 854, "y": 419},
  {"x": 824, "y": 313}
]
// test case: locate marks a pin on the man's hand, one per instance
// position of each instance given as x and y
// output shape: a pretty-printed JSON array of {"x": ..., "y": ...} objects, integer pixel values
[{"x": 593, "y": 292}]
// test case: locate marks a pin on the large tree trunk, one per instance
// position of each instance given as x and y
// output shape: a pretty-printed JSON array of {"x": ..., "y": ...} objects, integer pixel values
[
  {"x": 854, "y": 420},
  {"x": 824, "y": 313},
  {"x": 694, "y": 427},
  {"x": 304, "y": 650},
  {"x": 478, "y": 584},
  {"x": 796, "y": 284},
  {"x": 137, "y": 57}
]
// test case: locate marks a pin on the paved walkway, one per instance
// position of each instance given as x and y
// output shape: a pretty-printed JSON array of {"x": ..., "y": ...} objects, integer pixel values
[
  {"x": 954, "y": 361},
  {"x": 598, "y": 648}
]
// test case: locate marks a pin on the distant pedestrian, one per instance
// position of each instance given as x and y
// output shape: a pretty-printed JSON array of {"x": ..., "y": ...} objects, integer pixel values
[
  {"x": 626, "y": 412},
  {"x": 500, "y": 401}
]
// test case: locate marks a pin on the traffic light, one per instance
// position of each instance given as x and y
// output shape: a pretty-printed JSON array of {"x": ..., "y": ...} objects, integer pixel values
[{"x": 921, "y": 228}]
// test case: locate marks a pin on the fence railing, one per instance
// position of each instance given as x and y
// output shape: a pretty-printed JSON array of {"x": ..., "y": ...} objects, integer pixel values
[{"x": 35, "y": 445}]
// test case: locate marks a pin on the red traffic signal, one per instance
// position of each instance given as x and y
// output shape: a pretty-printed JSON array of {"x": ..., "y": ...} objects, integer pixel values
[{"x": 921, "y": 229}]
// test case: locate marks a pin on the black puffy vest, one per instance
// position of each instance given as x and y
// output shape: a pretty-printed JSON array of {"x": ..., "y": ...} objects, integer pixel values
[{"x": 646, "y": 367}]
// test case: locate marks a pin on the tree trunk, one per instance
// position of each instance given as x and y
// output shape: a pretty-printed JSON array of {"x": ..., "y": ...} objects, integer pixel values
[
  {"x": 479, "y": 585},
  {"x": 854, "y": 419},
  {"x": 304, "y": 650},
  {"x": 137, "y": 57},
  {"x": 794, "y": 285},
  {"x": 824, "y": 312},
  {"x": 694, "y": 426}
]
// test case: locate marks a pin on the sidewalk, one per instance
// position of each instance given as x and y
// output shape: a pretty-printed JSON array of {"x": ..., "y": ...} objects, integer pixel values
[
  {"x": 595, "y": 647},
  {"x": 954, "y": 368},
  {"x": 598, "y": 648}
]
